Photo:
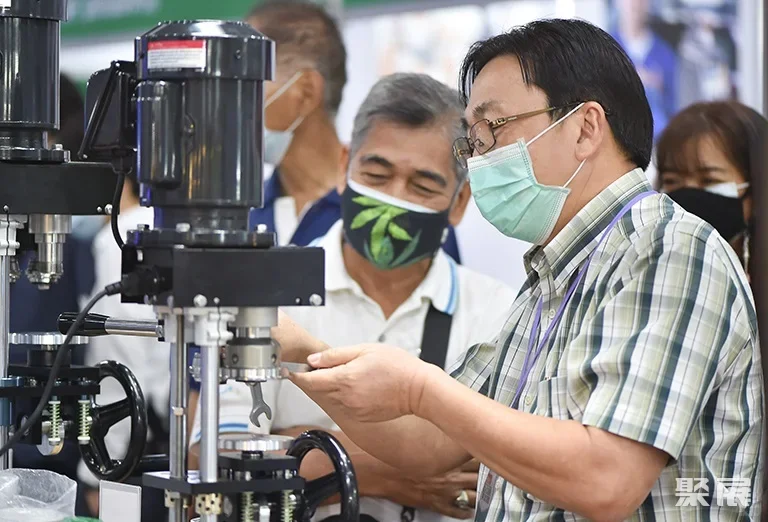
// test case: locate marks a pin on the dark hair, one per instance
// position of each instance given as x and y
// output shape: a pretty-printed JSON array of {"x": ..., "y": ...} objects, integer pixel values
[
  {"x": 307, "y": 35},
  {"x": 415, "y": 100},
  {"x": 573, "y": 61},
  {"x": 738, "y": 130}
]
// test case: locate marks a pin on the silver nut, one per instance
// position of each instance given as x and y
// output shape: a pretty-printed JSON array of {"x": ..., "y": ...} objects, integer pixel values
[
  {"x": 183, "y": 227},
  {"x": 315, "y": 300},
  {"x": 200, "y": 300},
  {"x": 108, "y": 209},
  {"x": 58, "y": 146},
  {"x": 99, "y": 210},
  {"x": 261, "y": 228}
]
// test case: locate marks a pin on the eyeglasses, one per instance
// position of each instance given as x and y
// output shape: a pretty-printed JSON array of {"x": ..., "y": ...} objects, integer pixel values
[{"x": 482, "y": 138}]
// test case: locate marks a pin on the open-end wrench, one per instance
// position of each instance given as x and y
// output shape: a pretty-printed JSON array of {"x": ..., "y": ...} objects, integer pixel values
[{"x": 259, "y": 406}]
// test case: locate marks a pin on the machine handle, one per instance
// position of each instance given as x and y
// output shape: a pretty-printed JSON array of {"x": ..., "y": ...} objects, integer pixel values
[
  {"x": 93, "y": 325},
  {"x": 95, "y": 454},
  {"x": 344, "y": 479},
  {"x": 96, "y": 324}
]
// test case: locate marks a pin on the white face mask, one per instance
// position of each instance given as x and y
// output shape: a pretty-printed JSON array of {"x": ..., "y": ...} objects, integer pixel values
[
  {"x": 276, "y": 143},
  {"x": 728, "y": 189}
]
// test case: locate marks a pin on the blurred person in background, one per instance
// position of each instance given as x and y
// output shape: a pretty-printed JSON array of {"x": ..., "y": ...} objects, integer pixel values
[
  {"x": 147, "y": 358},
  {"x": 388, "y": 280},
  {"x": 654, "y": 59},
  {"x": 705, "y": 163},
  {"x": 36, "y": 310},
  {"x": 707, "y": 53},
  {"x": 300, "y": 200}
]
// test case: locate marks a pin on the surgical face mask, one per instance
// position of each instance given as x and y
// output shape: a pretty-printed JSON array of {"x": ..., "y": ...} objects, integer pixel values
[
  {"x": 508, "y": 195},
  {"x": 389, "y": 232},
  {"x": 719, "y": 205},
  {"x": 276, "y": 143}
]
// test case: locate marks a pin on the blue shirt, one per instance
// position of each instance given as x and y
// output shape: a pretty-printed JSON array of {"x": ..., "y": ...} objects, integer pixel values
[
  {"x": 661, "y": 60},
  {"x": 314, "y": 224}
]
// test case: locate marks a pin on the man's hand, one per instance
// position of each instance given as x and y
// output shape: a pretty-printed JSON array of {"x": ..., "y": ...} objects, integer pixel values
[
  {"x": 366, "y": 383},
  {"x": 296, "y": 344},
  {"x": 439, "y": 494}
]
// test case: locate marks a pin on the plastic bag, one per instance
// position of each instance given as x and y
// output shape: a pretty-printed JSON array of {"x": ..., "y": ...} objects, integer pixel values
[{"x": 36, "y": 494}]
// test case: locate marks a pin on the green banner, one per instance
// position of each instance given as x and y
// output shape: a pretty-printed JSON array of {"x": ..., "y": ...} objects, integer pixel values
[{"x": 89, "y": 18}]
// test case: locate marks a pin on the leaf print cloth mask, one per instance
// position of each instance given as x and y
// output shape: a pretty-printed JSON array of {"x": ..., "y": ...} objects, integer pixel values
[{"x": 387, "y": 231}]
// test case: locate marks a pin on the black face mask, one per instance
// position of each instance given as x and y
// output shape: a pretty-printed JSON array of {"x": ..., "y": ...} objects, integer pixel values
[
  {"x": 725, "y": 214},
  {"x": 388, "y": 232}
]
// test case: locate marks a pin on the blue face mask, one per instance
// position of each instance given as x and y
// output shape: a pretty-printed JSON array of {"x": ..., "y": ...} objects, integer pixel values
[{"x": 507, "y": 194}]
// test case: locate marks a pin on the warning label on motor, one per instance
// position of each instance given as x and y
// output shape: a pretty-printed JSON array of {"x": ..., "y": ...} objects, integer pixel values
[{"x": 176, "y": 54}]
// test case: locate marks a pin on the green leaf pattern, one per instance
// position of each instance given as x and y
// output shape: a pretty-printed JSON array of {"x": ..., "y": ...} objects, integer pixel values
[{"x": 384, "y": 232}]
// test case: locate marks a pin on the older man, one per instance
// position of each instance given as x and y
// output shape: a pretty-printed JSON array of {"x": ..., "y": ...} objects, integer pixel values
[
  {"x": 627, "y": 382},
  {"x": 301, "y": 106},
  {"x": 387, "y": 279}
]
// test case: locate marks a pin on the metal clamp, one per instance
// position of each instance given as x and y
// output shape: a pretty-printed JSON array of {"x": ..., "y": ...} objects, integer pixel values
[{"x": 253, "y": 442}]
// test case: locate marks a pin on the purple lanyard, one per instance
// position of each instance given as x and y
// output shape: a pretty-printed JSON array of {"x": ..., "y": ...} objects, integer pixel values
[{"x": 571, "y": 289}]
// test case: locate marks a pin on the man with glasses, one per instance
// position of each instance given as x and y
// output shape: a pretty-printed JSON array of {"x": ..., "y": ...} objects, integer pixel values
[
  {"x": 388, "y": 280},
  {"x": 626, "y": 383}
]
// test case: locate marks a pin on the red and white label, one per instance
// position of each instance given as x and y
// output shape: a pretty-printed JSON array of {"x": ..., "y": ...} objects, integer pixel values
[{"x": 176, "y": 54}]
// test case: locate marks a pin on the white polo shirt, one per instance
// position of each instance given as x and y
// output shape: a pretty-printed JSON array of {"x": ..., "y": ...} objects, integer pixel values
[{"x": 479, "y": 307}]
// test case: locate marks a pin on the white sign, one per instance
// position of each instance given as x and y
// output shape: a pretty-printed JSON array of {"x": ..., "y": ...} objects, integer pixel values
[
  {"x": 119, "y": 502},
  {"x": 176, "y": 54}
]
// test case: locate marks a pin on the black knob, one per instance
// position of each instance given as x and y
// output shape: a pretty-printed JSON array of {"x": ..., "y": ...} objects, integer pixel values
[{"x": 93, "y": 326}]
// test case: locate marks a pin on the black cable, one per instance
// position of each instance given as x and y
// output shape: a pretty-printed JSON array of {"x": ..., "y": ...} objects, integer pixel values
[
  {"x": 116, "y": 207},
  {"x": 57, "y": 363}
]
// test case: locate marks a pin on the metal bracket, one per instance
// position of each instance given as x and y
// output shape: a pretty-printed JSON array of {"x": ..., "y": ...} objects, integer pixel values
[{"x": 208, "y": 504}]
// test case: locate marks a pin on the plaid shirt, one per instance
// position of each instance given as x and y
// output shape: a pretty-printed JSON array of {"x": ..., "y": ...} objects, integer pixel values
[{"x": 658, "y": 344}]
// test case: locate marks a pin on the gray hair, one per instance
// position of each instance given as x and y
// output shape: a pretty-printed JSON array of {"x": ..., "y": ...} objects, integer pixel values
[{"x": 414, "y": 100}]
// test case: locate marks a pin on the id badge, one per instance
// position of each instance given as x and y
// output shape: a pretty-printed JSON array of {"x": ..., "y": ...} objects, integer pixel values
[{"x": 486, "y": 496}]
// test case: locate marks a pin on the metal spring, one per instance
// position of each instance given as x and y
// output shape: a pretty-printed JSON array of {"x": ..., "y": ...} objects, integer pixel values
[
  {"x": 289, "y": 504},
  {"x": 84, "y": 424},
  {"x": 246, "y": 507},
  {"x": 54, "y": 408}
]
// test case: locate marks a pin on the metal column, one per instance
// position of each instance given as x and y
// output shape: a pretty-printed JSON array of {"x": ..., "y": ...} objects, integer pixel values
[
  {"x": 178, "y": 424},
  {"x": 209, "y": 418},
  {"x": 5, "y": 322}
]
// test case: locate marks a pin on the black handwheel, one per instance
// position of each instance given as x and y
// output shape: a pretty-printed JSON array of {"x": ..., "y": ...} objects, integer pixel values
[
  {"x": 343, "y": 481},
  {"x": 95, "y": 454}
]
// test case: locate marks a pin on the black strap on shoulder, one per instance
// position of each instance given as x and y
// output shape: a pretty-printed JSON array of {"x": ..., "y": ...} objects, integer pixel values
[
  {"x": 437, "y": 333},
  {"x": 434, "y": 350}
]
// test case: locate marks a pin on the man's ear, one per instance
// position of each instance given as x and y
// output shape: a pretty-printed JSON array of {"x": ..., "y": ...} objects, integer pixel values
[
  {"x": 594, "y": 128},
  {"x": 460, "y": 206},
  {"x": 312, "y": 88},
  {"x": 341, "y": 180}
]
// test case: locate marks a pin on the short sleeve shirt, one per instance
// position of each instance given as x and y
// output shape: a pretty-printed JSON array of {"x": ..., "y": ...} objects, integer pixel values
[{"x": 658, "y": 344}]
